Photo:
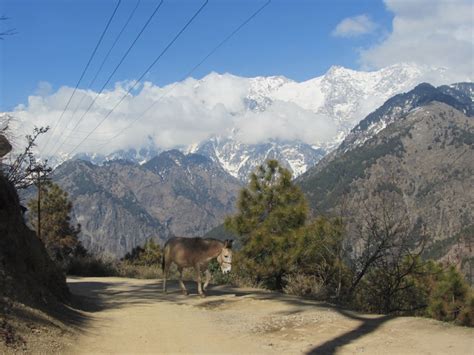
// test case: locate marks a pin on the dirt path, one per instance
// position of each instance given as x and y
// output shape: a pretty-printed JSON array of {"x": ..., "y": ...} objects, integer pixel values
[{"x": 133, "y": 316}]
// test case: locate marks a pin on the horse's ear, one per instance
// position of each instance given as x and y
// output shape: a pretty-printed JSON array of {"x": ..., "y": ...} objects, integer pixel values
[{"x": 228, "y": 243}]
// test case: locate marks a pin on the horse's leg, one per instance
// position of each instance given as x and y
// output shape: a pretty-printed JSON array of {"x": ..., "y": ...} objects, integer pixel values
[
  {"x": 181, "y": 283},
  {"x": 208, "y": 278},
  {"x": 166, "y": 269},
  {"x": 198, "y": 280}
]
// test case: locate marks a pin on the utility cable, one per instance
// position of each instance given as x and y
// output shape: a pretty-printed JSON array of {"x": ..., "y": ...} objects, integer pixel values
[
  {"x": 83, "y": 72},
  {"x": 107, "y": 55},
  {"x": 144, "y": 73},
  {"x": 215, "y": 49},
  {"x": 110, "y": 76}
]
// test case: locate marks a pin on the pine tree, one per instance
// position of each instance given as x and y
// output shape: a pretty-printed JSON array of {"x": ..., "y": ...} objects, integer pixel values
[
  {"x": 270, "y": 209},
  {"x": 57, "y": 233}
]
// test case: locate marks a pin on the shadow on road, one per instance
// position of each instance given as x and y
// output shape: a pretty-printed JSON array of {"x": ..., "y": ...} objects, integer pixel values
[
  {"x": 94, "y": 295},
  {"x": 368, "y": 325}
]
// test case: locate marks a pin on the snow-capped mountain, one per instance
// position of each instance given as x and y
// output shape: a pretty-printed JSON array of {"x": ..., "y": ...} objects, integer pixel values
[
  {"x": 140, "y": 156},
  {"x": 342, "y": 96},
  {"x": 458, "y": 96},
  {"x": 240, "y": 159},
  {"x": 276, "y": 117}
]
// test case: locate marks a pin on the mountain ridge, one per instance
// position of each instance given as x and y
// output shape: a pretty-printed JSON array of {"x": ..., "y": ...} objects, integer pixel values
[{"x": 300, "y": 120}]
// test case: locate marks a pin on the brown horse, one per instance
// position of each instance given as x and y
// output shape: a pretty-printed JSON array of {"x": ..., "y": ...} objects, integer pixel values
[{"x": 196, "y": 253}]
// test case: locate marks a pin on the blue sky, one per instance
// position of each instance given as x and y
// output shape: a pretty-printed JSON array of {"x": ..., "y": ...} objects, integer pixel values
[
  {"x": 300, "y": 39},
  {"x": 291, "y": 38}
]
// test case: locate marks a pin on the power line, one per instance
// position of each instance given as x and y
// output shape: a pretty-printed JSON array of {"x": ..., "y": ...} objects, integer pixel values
[
  {"x": 112, "y": 74},
  {"x": 107, "y": 55},
  {"x": 145, "y": 72},
  {"x": 83, "y": 72},
  {"x": 215, "y": 49}
]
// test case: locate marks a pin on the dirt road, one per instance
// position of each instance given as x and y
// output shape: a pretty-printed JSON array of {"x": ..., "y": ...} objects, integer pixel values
[{"x": 133, "y": 316}]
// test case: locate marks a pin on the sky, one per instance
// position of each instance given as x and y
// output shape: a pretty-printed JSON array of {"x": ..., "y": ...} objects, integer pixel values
[
  {"x": 300, "y": 39},
  {"x": 292, "y": 38}
]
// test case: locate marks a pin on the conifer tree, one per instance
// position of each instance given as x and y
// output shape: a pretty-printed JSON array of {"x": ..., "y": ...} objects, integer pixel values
[
  {"x": 57, "y": 233},
  {"x": 270, "y": 209}
]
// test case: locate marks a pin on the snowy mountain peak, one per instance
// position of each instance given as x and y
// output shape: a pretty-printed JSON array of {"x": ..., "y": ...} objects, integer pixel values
[{"x": 253, "y": 119}]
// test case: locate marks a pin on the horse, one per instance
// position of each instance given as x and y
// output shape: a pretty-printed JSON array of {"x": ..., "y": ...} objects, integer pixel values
[{"x": 196, "y": 253}]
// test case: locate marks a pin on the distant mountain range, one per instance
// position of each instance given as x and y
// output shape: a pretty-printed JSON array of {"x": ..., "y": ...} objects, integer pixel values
[
  {"x": 339, "y": 100},
  {"x": 420, "y": 140}
]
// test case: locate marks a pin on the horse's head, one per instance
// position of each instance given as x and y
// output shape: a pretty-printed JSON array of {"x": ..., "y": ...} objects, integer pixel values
[{"x": 225, "y": 257}]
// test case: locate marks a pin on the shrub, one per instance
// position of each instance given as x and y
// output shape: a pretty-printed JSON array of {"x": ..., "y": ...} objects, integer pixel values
[
  {"x": 450, "y": 298},
  {"x": 217, "y": 276},
  {"x": 92, "y": 266},
  {"x": 305, "y": 285},
  {"x": 126, "y": 269},
  {"x": 148, "y": 255}
]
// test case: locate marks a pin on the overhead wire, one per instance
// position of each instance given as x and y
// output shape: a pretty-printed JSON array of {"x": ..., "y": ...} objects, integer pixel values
[
  {"x": 107, "y": 55},
  {"x": 144, "y": 73},
  {"x": 190, "y": 72},
  {"x": 110, "y": 76},
  {"x": 83, "y": 72}
]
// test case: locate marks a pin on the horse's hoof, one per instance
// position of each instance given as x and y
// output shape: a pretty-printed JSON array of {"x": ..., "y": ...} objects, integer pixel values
[
  {"x": 185, "y": 293},
  {"x": 202, "y": 295}
]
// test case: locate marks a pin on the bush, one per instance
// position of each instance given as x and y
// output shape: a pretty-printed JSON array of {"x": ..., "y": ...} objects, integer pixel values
[
  {"x": 451, "y": 299},
  {"x": 217, "y": 276},
  {"x": 430, "y": 290},
  {"x": 92, "y": 266},
  {"x": 466, "y": 314},
  {"x": 148, "y": 255},
  {"x": 126, "y": 269},
  {"x": 305, "y": 285}
]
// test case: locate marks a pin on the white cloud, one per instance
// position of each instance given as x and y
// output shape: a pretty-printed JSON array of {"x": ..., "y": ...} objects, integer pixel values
[
  {"x": 44, "y": 88},
  {"x": 354, "y": 26},
  {"x": 182, "y": 114},
  {"x": 426, "y": 32},
  {"x": 284, "y": 121}
]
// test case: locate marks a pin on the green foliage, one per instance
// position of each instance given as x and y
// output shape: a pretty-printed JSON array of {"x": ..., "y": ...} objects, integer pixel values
[
  {"x": 450, "y": 298},
  {"x": 217, "y": 276},
  {"x": 400, "y": 288},
  {"x": 270, "y": 202},
  {"x": 305, "y": 285},
  {"x": 148, "y": 255},
  {"x": 58, "y": 235},
  {"x": 428, "y": 290},
  {"x": 319, "y": 253},
  {"x": 90, "y": 266},
  {"x": 270, "y": 208},
  {"x": 99, "y": 266}
]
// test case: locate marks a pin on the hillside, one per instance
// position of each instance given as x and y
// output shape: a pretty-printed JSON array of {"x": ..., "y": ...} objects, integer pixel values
[
  {"x": 27, "y": 274},
  {"x": 32, "y": 287},
  {"x": 121, "y": 204},
  {"x": 426, "y": 157}
]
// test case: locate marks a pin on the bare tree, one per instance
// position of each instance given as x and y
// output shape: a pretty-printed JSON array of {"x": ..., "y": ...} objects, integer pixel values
[
  {"x": 25, "y": 169},
  {"x": 388, "y": 246}
]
